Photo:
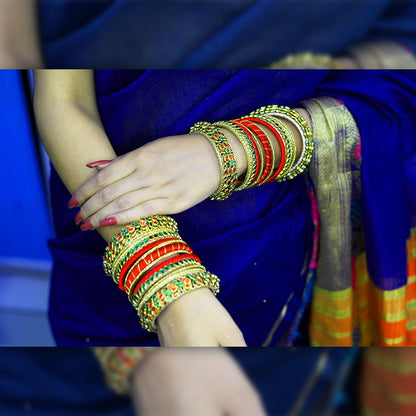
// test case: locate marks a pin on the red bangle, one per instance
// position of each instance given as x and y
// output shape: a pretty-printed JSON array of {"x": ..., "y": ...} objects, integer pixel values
[
  {"x": 279, "y": 139},
  {"x": 256, "y": 149},
  {"x": 153, "y": 257},
  {"x": 130, "y": 262},
  {"x": 160, "y": 266},
  {"x": 268, "y": 150}
]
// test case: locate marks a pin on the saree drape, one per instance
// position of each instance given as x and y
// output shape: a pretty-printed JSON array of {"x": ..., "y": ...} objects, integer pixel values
[
  {"x": 259, "y": 241},
  {"x": 68, "y": 381},
  {"x": 212, "y": 33}
]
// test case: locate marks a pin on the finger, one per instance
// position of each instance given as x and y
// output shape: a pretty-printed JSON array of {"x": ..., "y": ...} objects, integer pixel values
[
  {"x": 115, "y": 197},
  {"x": 115, "y": 216},
  {"x": 115, "y": 171}
]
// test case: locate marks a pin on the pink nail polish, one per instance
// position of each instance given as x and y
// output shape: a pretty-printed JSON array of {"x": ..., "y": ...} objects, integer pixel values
[
  {"x": 99, "y": 164},
  {"x": 72, "y": 203},
  {"x": 78, "y": 219},
  {"x": 86, "y": 226},
  {"x": 108, "y": 221}
]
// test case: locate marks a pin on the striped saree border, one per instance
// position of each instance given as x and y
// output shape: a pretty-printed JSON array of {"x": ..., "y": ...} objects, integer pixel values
[
  {"x": 388, "y": 381},
  {"x": 367, "y": 315}
]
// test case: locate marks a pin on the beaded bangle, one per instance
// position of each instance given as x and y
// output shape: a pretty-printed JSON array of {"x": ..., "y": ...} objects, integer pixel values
[
  {"x": 122, "y": 243},
  {"x": 172, "y": 291},
  {"x": 147, "y": 255},
  {"x": 139, "y": 289},
  {"x": 225, "y": 155},
  {"x": 142, "y": 264},
  {"x": 259, "y": 153},
  {"x": 140, "y": 276},
  {"x": 118, "y": 363},
  {"x": 250, "y": 149},
  {"x": 286, "y": 140},
  {"x": 196, "y": 268},
  {"x": 129, "y": 264},
  {"x": 137, "y": 243},
  {"x": 303, "y": 128},
  {"x": 137, "y": 228},
  {"x": 171, "y": 275}
]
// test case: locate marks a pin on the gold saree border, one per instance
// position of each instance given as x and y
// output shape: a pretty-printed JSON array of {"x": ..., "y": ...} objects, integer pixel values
[{"x": 367, "y": 315}]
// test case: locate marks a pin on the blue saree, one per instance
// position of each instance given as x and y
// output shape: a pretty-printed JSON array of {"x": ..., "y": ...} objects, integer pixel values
[
  {"x": 68, "y": 381},
  {"x": 259, "y": 241},
  {"x": 212, "y": 34}
]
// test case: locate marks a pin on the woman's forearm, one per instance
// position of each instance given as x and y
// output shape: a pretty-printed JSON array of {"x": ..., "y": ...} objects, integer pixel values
[
  {"x": 19, "y": 37},
  {"x": 73, "y": 135},
  {"x": 70, "y": 127}
]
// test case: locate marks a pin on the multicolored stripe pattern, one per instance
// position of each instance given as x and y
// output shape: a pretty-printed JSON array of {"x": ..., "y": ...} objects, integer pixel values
[{"x": 364, "y": 314}]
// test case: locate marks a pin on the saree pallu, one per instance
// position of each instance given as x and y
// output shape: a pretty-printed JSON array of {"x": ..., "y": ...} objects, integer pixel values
[
  {"x": 372, "y": 300},
  {"x": 212, "y": 33},
  {"x": 388, "y": 382},
  {"x": 259, "y": 241}
]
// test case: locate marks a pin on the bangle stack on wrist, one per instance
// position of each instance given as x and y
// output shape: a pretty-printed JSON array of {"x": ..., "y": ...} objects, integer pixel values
[
  {"x": 118, "y": 364},
  {"x": 226, "y": 158},
  {"x": 154, "y": 266},
  {"x": 259, "y": 148}
]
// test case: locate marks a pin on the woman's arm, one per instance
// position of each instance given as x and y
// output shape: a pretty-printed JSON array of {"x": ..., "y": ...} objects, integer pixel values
[
  {"x": 70, "y": 127},
  {"x": 19, "y": 37},
  {"x": 203, "y": 381},
  {"x": 72, "y": 133}
]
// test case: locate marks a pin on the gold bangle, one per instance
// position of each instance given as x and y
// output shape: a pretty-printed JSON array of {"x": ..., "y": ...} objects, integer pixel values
[
  {"x": 149, "y": 267},
  {"x": 169, "y": 275},
  {"x": 156, "y": 277},
  {"x": 249, "y": 150},
  {"x": 225, "y": 156},
  {"x": 172, "y": 291},
  {"x": 288, "y": 142},
  {"x": 150, "y": 253},
  {"x": 136, "y": 228},
  {"x": 136, "y": 244},
  {"x": 303, "y": 128}
]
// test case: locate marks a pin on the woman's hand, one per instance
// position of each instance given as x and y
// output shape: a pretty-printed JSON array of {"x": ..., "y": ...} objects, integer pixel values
[
  {"x": 198, "y": 319},
  {"x": 189, "y": 382},
  {"x": 165, "y": 176}
]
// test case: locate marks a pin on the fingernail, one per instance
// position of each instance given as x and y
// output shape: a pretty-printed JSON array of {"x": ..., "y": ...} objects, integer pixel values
[
  {"x": 72, "y": 203},
  {"x": 99, "y": 164},
  {"x": 78, "y": 219},
  {"x": 108, "y": 221},
  {"x": 86, "y": 226}
]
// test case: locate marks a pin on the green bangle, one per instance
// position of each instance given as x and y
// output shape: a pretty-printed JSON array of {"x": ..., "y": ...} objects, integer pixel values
[{"x": 225, "y": 155}]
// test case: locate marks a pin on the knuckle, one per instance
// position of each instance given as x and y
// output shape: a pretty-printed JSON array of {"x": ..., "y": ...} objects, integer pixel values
[
  {"x": 149, "y": 208},
  {"x": 84, "y": 211},
  {"x": 101, "y": 178},
  {"x": 123, "y": 203},
  {"x": 105, "y": 194}
]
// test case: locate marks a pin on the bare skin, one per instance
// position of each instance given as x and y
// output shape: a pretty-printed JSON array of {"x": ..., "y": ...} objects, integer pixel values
[
  {"x": 19, "y": 38},
  {"x": 188, "y": 382}
]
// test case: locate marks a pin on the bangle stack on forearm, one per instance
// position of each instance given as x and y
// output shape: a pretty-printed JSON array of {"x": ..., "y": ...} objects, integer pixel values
[
  {"x": 258, "y": 147},
  {"x": 154, "y": 266},
  {"x": 148, "y": 259}
]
